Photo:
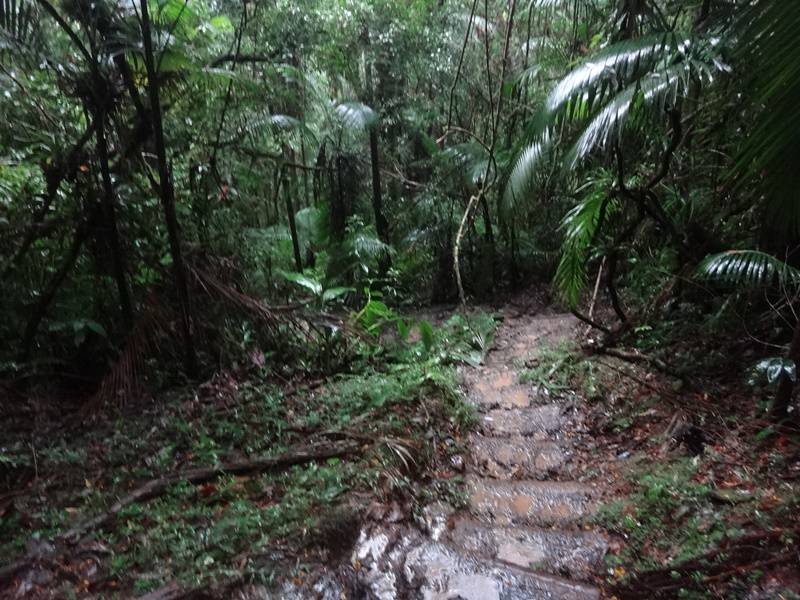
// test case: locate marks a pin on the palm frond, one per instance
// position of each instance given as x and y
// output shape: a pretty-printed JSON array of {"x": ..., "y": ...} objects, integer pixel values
[
  {"x": 657, "y": 91},
  {"x": 580, "y": 226},
  {"x": 748, "y": 267},
  {"x": 19, "y": 24},
  {"x": 356, "y": 115},
  {"x": 598, "y": 77},
  {"x": 526, "y": 168},
  {"x": 369, "y": 247}
]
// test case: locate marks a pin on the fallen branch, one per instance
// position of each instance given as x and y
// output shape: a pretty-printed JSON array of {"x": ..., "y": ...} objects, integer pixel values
[
  {"x": 635, "y": 357},
  {"x": 157, "y": 487}
]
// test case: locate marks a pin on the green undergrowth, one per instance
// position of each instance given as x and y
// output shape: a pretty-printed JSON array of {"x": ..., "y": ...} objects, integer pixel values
[
  {"x": 402, "y": 403},
  {"x": 670, "y": 506},
  {"x": 670, "y": 517}
]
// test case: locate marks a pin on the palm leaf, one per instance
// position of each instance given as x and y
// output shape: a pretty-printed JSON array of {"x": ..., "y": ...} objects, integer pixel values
[
  {"x": 657, "y": 91},
  {"x": 580, "y": 226},
  {"x": 598, "y": 77},
  {"x": 524, "y": 173},
  {"x": 748, "y": 267},
  {"x": 356, "y": 115}
]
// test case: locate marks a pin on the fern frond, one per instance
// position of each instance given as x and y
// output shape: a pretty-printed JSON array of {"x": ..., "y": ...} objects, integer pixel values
[
  {"x": 369, "y": 247},
  {"x": 748, "y": 267}
]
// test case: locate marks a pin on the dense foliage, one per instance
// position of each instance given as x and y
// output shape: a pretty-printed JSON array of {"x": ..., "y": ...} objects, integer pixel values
[{"x": 192, "y": 186}]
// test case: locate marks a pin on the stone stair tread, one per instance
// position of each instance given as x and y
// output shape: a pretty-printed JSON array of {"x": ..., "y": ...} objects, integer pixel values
[
  {"x": 440, "y": 572},
  {"x": 491, "y": 387},
  {"x": 538, "y": 421},
  {"x": 529, "y": 502},
  {"x": 573, "y": 553},
  {"x": 515, "y": 456}
]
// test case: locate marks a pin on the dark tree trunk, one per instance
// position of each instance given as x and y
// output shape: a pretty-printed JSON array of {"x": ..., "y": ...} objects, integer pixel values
[
  {"x": 167, "y": 193},
  {"x": 40, "y": 309},
  {"x": 110, "y": 221},
  {"x": 381, "y": 224},
  {"x": 287, "y": 193},
  {"x": 338, "y": 210}
]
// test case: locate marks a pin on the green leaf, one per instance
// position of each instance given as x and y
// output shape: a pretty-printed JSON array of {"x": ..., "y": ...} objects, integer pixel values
[
  {"x": 314, "y": 286},
  {"x": 332, "y": 293},
  {"x": 748, "y": 267},
  {"x": 221, "y": 23},
  {"x": 426, "y": 333},
  {"x": 776, "y": 367}
]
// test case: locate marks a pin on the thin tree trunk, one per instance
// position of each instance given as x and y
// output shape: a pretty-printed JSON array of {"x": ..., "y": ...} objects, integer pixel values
[
  {"x": 46, "y": 297},
  {"x": 381, "y": 224},
  {"x": 167, "y": 194},
  {"x": 110, "y": 218},
  {"x": 287, "y": 193}
]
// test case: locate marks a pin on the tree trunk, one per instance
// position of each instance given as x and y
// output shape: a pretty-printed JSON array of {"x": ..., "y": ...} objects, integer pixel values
[
  {"x": 381, "y": 224},
  {"x": 110, "y": 220},
  {"x": 46, "y": 297},
  {"x": 167, "y": 193},
  {"x": 287, "y": 193}
]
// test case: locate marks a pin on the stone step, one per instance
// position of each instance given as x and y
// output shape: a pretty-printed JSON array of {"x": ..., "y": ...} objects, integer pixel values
[
  {"x": 439, "y": 572},
  {"x": 540, "y": 503},
  {"x": 498, "y": 387},
  {"x": 531, "y": 335},
  {"x": 576, "y": 554},
  {"x": 537, "y": 421},
  {"x": 515, "y": 457}
]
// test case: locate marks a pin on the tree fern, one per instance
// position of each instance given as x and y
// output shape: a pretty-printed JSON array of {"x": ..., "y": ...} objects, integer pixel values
[{"x": 748, "y": 267}]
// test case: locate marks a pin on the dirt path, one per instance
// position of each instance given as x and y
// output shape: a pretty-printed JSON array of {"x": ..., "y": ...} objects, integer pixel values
[{"x": 524, "y": 533}]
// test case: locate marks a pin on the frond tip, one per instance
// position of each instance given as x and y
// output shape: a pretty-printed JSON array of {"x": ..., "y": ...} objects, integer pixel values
[{"x": 748, "y": 267}]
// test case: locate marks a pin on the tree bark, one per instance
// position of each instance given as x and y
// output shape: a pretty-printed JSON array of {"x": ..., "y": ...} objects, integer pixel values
[
  {"x": 110, "y": 220},
  {"x": 287, "y": 193},
  {"x": 381, "y": 224},
  {"x": 167, "y": 193},
  {"x": 40, "y": 309}
]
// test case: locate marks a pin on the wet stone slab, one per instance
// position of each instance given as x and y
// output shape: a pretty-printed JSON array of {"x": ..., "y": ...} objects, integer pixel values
[
  {"x": 437, "y": 572},
  {"x": 515, "y": 457},
  {"x": 541, "y": 420},
  {"x": 540, "y": 503},
  {"x": 574, "y": 553},
  {"x": 491, "y": 388}
]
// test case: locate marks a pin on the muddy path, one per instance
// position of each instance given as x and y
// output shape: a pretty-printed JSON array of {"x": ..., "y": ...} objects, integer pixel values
[{"x": 525, "y": 530}]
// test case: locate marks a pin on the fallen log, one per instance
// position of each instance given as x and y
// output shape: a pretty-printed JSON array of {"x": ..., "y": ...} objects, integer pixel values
[{"x": 157, "y": 487}]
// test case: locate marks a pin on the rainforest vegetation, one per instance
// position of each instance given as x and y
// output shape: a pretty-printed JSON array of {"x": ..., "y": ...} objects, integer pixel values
[{"x": 247, "y": 248}]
